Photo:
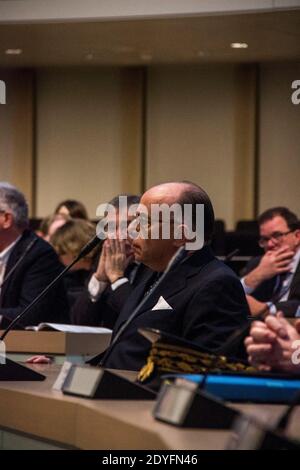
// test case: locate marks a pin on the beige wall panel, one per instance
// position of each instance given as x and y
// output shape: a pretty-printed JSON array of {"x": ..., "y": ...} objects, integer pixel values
[
  {"x": 81, "y": 147},
  {"x": 280, "y": 138},
  {"x": 244, "y": 142},
  {"x": 16, "y": 131},
  {"x": 131, "y": 129},
  {"x": 195, "y": 122}
]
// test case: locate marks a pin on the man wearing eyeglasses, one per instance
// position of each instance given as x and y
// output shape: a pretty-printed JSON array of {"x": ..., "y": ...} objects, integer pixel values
[
  {"x": 116, "y": 275},
  {"x": 272, "y": 282},
  {"x": 198, "y": 299}
]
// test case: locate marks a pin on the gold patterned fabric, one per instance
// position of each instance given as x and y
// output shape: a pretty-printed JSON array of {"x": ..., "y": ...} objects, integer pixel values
[{"x": 169, "y": 358}]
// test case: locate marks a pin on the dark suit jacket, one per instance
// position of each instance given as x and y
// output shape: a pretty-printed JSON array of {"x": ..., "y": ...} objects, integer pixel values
[
  {"x": 105, "y": 311},
  {"x": 38, "y": 268},
  {"x": 264, "y": 291},
  {"x": 75, "y": 284},
  {"x": 207, "y": 305}
]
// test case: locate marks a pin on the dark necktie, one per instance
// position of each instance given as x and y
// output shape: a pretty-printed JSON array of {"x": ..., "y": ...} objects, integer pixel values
[
  {"x": 152, "y": 283},
  {"x": 282, "y": 286},
  {"x": 131, "y": 272}
]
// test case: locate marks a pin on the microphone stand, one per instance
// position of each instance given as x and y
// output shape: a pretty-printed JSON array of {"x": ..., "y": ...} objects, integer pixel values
[
  {"x": 231, "y": 255},
  {"x": 86, "y": 249},
  {"x": 254, "y": 434},
  {"x": 11, "y": 370},
  {"x": 177, "y": 259},
  {"x": 197, "y": 407},
  {"x": 110, "y": 385},
  {"x": 233, "y": 338}
]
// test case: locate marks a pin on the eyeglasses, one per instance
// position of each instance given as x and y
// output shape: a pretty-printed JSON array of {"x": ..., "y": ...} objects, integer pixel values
[
  {"x": 276, "y": 237},
  {"x": 146, "y": 222}
]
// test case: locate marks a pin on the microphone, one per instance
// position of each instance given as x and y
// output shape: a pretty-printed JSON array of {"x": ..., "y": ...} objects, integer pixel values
[
  {"x": 178, "y": 257},
  {"x": 88, "y": 248},
  {"x": 285, "y": 418},
  {"x": 231, "y": 255},
  {"x": 252, "y": 433},
  {"x": 231, "y": 341},
  {"x": 240, "y": 332},
  {"x": 85, "y": 250}
]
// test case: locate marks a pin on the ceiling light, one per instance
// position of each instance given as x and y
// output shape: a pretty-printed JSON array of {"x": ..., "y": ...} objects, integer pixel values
[
  {"x": 146, "y": 56},
  {"x": 239, "y": 45},
  {"x": 123, "y": 49},
  {"x": 13, "y": 51},
  {"x": 89, "y": 56}
]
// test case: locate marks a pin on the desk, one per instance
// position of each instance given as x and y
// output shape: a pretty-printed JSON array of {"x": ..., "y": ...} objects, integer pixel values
[
  {"x": 35, "y": 416},
  {"x": 76, "y": 347}
]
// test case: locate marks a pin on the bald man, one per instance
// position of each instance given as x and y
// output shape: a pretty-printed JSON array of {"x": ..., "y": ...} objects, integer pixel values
[{"x": 200, "y": 300}]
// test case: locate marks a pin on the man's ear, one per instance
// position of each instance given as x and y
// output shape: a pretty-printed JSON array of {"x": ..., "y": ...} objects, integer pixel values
[
  {"x": 297, "y": 326},
  {"x": 297, "y": 233},
  {"x": 180, "y": 235},
  {"x": 8, "y": 220}
]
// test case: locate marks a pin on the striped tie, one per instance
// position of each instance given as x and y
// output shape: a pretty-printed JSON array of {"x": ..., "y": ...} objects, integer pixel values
[
  {"x": 282, "y": 286},
  {"x": 154, "y": 280}
]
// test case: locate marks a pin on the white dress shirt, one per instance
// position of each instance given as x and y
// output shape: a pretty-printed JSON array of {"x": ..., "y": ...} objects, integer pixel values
[
  {"x": 295, "y": 261},
  {"x": 96, "y": 288}
]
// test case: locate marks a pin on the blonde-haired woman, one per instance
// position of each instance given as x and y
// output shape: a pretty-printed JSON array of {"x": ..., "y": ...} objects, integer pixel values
[{"x": 68, "y": 240}]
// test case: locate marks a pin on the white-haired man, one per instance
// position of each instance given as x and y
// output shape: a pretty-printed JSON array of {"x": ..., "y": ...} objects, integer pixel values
[{"x": 27, "y": 265}]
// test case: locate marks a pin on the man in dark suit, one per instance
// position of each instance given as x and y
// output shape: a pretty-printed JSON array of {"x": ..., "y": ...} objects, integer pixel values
[
  {"x": 201, "y": 299},
  {"x": 116, "y": 276},
  {"x": 27, "y": 265},
  {"x": 272, "y": 281}
]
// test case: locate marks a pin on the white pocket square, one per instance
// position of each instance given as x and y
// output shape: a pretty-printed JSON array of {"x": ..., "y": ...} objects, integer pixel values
[{"x": 162, "y": 304}]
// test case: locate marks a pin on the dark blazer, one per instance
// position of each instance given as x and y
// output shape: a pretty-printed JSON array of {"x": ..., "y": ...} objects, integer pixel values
[
  {"x": 75, "y": 284},
  {"x": 37, "y": 269},
  {"x": 207, "y": 304},
  {"x": 105, "y": 311},
  {"x": 264, "y": 292}
]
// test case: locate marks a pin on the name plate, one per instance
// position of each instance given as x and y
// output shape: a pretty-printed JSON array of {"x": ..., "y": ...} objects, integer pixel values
[
  {"x": 95, "y": 382},
  {"x": 184, "y": 405}
]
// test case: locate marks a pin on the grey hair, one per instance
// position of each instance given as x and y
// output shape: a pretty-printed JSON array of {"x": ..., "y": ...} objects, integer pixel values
[{"x": 14, "y": 202}]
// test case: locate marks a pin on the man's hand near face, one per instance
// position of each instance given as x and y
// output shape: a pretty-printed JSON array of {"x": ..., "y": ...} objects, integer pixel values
[
  {"x": 100, "y": 274},
  {"x": 272, "y": 263},
  {"x": 117, "y": 257},
  {"x": 270, "y": 344}
]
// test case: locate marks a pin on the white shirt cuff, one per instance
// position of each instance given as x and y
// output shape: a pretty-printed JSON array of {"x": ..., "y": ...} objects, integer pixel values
[
  {"x": 96, "y": 288},
  {"x": 119, "y": 283},
  {"x": 272, "y": 308},
  {"x": 248, "y": 290}
]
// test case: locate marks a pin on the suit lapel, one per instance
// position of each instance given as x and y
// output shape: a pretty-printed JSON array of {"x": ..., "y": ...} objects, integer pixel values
[
  {"x": 14, "y": 256},
  {"x": 173, "y": 283},
  {"x": 176, "y": 280},
  {"x": 295, "y": 289},
  {"x": 134, "y": 299},
  {"x": 168, "y": 287}
]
